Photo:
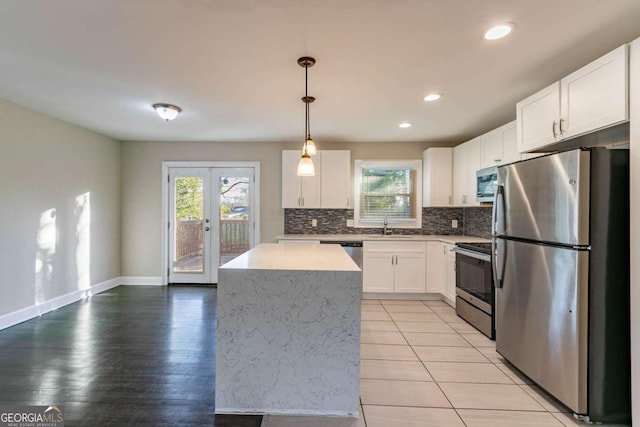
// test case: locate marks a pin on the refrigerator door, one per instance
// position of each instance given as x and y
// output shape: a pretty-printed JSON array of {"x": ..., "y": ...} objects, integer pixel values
[
  {"x": 546, "y": 199},
  {"x": 542, "y": 316}
]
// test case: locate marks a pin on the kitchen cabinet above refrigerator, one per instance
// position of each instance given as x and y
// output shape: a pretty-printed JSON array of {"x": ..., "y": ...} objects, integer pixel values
[{"x": 593, "y": 97}]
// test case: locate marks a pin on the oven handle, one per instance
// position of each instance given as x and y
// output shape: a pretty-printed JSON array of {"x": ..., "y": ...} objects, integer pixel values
[{"x": 472, "y": 254}]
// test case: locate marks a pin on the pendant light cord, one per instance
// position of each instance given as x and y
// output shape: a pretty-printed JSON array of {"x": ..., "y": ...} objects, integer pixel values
[{"x": 306, "y": 110}]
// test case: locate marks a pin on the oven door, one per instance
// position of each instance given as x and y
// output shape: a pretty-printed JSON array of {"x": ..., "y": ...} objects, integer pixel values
[{"x": 474, "y": 281}]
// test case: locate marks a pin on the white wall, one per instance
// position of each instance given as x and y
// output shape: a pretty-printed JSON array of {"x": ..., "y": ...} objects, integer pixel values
[
  {"x": 141, "y": 193},
  {"x": 59, "y": 210},
  {"x": 634, "y": 97}
]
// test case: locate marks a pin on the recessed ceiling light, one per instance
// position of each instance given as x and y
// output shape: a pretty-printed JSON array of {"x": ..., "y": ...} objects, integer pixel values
[
  {"x": 498, "y": 32},
  {"x": 404, "y": 125},
  {"x": 432, "y": 97}
]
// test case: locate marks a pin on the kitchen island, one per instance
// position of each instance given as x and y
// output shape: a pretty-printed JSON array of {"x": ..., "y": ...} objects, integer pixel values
[{"x": 288, "y": 332}]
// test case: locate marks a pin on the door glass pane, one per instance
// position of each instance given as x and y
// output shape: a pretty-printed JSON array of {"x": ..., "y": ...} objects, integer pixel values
[
  {"x": 189, "y": 216},
  {"x": 234, "y": 217}
]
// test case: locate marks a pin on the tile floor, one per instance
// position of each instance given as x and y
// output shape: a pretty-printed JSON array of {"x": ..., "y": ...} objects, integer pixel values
[{"x": 422, "y": 365}]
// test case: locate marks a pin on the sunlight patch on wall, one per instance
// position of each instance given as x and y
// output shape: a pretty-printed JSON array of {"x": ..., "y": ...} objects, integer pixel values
[
  {"x": 46, "y": 240},
  {"x": 82, "y": 213}
]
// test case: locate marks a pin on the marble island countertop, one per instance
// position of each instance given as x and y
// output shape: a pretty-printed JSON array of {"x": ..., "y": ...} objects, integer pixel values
[
  {"x": 311, "y": 257},
  {"x": 379, "y": 237}
]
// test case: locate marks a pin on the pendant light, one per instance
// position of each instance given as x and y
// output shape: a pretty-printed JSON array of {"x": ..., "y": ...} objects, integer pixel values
[{"x": 305, "y": 166}]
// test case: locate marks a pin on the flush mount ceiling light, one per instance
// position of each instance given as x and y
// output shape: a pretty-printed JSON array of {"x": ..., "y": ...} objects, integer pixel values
[
  {"x": 305, "y": 166},
  {"x": 167, "y": 111},
  {"x": 432, "y": 97},
  {"x": 404, "y": 125},
  {"x": 498, "y": 32}
]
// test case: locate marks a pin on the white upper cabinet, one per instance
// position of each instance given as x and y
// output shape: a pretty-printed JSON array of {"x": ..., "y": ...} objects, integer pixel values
[
  {"x": 593, "y": 97},
  {"x": 474, "y": 159},
  {"x": 500, "y": 146},
  {"x": 538, "y": 118},
  {"x": 460, "y": 174},
  {"x": 299, "y": 191},
  {"x": 596, "y": 95},
  {"x": 437, "y": 164},
  {"x": 335, "y": 188},
  {"x": 329, "y": 188},
  {"x": 466, "y": 162}
]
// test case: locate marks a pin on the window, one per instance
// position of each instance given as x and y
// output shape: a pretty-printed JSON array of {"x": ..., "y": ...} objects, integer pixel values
[{"x": 388, "y": 189}]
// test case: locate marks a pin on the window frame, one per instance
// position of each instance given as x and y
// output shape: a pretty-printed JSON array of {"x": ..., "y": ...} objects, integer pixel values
[{"x": 392, "y": 222}]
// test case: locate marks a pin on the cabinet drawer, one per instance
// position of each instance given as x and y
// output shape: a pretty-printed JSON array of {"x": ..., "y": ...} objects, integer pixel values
[{"x": 393, "y": 246}]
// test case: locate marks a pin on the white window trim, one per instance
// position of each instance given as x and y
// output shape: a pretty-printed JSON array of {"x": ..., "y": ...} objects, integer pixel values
[{"x": 392, "y": 222}]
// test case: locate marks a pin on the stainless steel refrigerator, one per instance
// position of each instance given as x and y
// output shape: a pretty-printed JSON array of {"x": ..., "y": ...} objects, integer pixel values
[{"x": 561, "y": 270}]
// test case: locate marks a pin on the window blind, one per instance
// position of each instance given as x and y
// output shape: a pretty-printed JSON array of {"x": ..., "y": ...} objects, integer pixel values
[{"x": 388, "y": 192}]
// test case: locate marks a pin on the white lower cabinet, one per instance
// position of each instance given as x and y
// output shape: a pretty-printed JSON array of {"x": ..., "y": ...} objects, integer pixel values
[
  {"x": 394, "y": 267},
  {"x": 441, "y": 270},
  {"x": 435, "y": 259},
  {"x": 449, "y": 273},
  {"x": 378, "y": 271}
]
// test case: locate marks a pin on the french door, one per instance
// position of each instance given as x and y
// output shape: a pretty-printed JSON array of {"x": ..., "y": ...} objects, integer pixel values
[{"x": 211, "y": 220}]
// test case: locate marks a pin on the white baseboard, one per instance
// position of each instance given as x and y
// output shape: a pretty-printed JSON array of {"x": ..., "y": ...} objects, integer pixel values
[
  {"x": 36, "y": 310},
  {"x": 141, "y": 280}
]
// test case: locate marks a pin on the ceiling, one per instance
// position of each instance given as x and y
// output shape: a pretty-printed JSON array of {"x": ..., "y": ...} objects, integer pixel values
[{"x": 231, "y": 64}]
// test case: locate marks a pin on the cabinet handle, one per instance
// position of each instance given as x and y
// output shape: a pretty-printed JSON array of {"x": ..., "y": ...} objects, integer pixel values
[
  {"x": 391, "y": 259},
  {"x": 553, "y": 129},
  {"x": 347, "y": 202},
  {"x": 497, "y": 160},
  {"x": 396, "y": 259},
  {"x": 302, "y": 201},
  {"x": 450, "y": 201},
  {"x": 562, "y": 122},
  {"x": 464, "y": 199}
]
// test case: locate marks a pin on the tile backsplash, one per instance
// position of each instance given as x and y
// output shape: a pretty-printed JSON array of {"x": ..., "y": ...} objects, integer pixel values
[{"x": 473, "y": 221}]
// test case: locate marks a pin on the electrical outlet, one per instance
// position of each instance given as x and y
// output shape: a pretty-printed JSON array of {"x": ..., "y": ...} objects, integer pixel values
[
  {"x": 454, "y": 223},
  {"x": 314, "y": 222},
  {"x": 349, "y": 223}
]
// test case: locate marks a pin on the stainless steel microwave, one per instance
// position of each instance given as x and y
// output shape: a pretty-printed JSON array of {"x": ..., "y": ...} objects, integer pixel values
[{"x": 486, "y": 184}]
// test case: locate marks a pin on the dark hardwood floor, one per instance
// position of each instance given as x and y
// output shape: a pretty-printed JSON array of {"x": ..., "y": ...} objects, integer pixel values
[{"x": 133, "y": 355}]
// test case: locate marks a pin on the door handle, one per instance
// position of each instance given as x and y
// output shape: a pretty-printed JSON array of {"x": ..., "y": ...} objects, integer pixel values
[{"x": 206, "y": 229}]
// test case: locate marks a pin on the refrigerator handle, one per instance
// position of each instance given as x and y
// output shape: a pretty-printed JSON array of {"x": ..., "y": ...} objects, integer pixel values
[
  {"x": 497, "y": 256},
  {"x": 499, "y": 198}
]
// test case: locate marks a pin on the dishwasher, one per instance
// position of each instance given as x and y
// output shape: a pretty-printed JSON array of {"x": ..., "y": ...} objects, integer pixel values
[{"x": 353, "y": 249}]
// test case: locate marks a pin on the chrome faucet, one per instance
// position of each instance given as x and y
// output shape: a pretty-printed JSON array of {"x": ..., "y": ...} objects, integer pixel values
[{"x": 385, "y": 229}]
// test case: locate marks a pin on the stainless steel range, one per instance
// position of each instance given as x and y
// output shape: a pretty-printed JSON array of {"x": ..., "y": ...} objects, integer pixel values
[{"x": 475, "y": 293}]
